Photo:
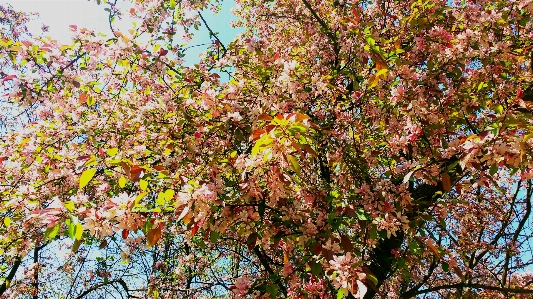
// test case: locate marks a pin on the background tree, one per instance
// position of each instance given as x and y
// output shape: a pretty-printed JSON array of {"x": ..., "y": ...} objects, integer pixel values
[{"x": 356, "y": 149}]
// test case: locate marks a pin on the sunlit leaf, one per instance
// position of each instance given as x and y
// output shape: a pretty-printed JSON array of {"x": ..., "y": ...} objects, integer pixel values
[{"x": 87, "y": 176}]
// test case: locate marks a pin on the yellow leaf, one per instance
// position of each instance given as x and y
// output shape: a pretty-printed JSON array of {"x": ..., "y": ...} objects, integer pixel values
[
  {"x": 169, "y": 194},
  {"x": 112, "y": 151},
  {"x": 7, "y": 221},
  {"x": 86, "y": 177},
  {"x": 79, "y": 231},
  {"x": 122, "y": 182},
  {"x": 143, "y": 184}
]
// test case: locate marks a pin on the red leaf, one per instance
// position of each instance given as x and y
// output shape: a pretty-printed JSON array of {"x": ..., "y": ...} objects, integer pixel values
[
  {"x": 10, "y": 77},
  {"x": 125, "y": 234},
  {"x": 346, "y": 243},
  {"x": 85, "y": 157},
  {"x": 317, "y": 249},
  {"x": 153, "y": 236},
  {"x": 103, "y": 244},
  {"x": 265, "y": 117},
  {"x": 135, "y": 173},
  {"x": 252, "y": 239},
  {"x": 82, "y": 98},
  {"x": 446, "y": 182},
  {"x": 76, "y": 84},
  {"x": 270, "y": 128},
  {"x": 159, "y": 168},
  {"x": 162, "y": 52},
  {"x": 257, "y": 134},
  {"x": 328, "y": 254},
  {"x": 195, "y": 228}
]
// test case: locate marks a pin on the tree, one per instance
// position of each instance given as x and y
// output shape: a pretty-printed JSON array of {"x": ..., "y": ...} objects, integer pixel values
[{"x": 357, "y": 149}]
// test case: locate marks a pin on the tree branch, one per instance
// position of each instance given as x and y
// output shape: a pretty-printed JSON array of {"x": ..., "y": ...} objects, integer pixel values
[{"x": 10, "y": 276}]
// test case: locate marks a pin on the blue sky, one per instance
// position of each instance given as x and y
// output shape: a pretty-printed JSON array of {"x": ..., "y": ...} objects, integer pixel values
[{"x": 60, "y": 14}]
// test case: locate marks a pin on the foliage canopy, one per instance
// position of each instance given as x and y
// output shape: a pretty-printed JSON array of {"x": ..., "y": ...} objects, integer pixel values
[{"x": 358, "y": 149}]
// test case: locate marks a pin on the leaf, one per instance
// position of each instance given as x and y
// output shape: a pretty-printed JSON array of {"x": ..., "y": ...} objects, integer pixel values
[
  {"x": 316, "y": 268},
  {"x": 252, "y": 239},
  {"x": 76, "y": 84},
  {"x": 160, "y": 200},
  {"x": 79, "y": 231},
  {"x": 69, "y": 205},
  {"x": 445, "y": 267},
  {"x": 153, "y": 236},
  {"x": 169, "y": 194},
  {"x": 135, "y": 173},
  {"x": 112, "y": 151},
  {"x": 523, "y": 145},
  {"x": 361, "y": 215},
  {"x": 7, "y": 221},
  {"x": 310, "y": 150},
  {"x": 195, "y": 228},
  {"x": 125, "y": 234},
  {"x": 82, "y": 98},
  {"x": 265, "y": 117},
  {"x": 346, "y": 243},
  {"x": 103, "y": 244},
  {"x": 87, "y": 176},
  {"x": 458, "y": 272},
  {"x": 341, "y": 293},
  {"x": 372, "y": 278},
  {"x": 143, "y": 185},
  {"x": 76, "y": 245},
  {"x": 122, "y": 182},
  {"x": 51, "y": 232},
  {"x": 257, "y": 134},
  {"x": 184, "y": 213},
  {"x": 409, "y": 174},
  {"x": 446, "y": 182},
  {"x": 295, "y": 166},
  {"x": 126, "y": 168}
]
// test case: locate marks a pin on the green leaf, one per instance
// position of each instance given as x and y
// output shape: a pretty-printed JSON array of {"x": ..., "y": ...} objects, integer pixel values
[
  {"x": 51, "y": 232},
  {"x": 90, "y": 101},
  {"x": 499, "y": 109},
  {"x": 445, "y": 266},
  {"x": 70, "y": 227},
  {"x": 316, "y": 268},
  {"x": 415, "y": 247},
  {"x": 493, "y": 169},
  {"x": 341, "y": 293},
  {"x": 361, "y": 215},
  {"x": 272, "y": 290},
  {"x": 372, "y": 278},
  {"x": 295, "y": 166},
  {"x": 213, "y": 237},
  {"x": 86, "y": 177}
]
